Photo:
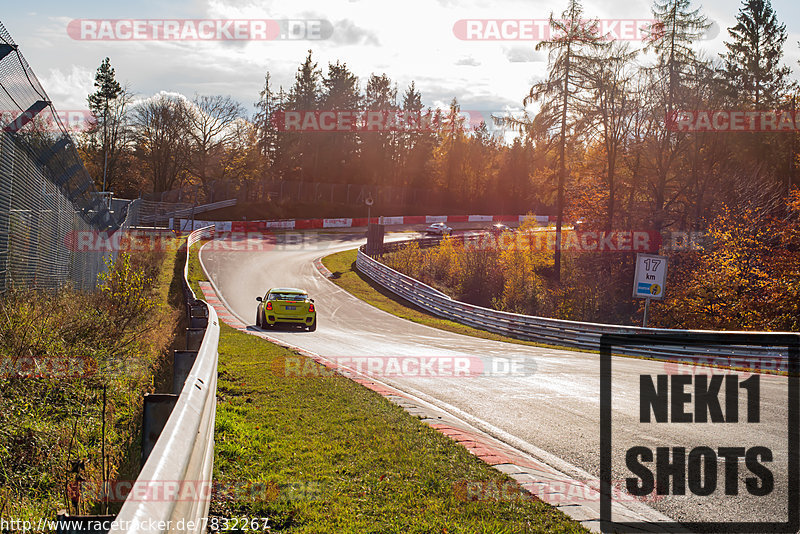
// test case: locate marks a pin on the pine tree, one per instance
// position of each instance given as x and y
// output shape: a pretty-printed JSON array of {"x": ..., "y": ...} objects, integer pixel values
[
  {"x": 418, "y": 141},
  {"x": 107, "y": 87},
  {"x": 380, "y": 147},
  {"x": 412, "y": 99},
  {"x": 108, "y": 90},
  {"x": 339, "y": 149},
  {"x": 341, "y": 88},
  {"x": 306, "y": 93},
  {"x": 753, "y": 61},
  {"x": 671, "y": 38},
  {"x": 264, "y": 120},
  {"x": 305, "y": 97},
  {"x": 571, "y": 45}
]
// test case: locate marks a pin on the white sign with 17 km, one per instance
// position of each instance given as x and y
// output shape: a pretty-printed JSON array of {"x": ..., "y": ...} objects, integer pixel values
[{"x": 650, "y": 277}]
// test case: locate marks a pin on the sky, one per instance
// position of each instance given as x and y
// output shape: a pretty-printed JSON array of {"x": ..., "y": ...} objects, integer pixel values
[{"x": 408, "y": 40}]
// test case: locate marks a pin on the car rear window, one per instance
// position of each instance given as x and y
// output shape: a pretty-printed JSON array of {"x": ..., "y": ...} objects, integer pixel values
[{"x": 287, "y": 296}]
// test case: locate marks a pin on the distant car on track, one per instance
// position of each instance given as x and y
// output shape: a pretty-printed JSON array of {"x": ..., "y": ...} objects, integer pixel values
[
  {"x": 286, "y": 305},
  {"x": 499, "y": 228},
  {"x": 438, "y": 228}
]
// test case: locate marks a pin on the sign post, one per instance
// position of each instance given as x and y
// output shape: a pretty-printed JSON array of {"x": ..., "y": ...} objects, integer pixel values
[
  {"x": 650, "y": 279},
  {"x": 369, "y": 203}
]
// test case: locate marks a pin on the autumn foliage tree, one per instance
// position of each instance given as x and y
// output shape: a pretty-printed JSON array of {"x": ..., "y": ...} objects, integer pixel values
[{"x": 746, "y": 276}]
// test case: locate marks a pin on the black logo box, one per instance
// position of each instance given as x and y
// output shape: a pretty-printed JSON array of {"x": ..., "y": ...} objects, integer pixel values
[{"x": 790, "y": 342}]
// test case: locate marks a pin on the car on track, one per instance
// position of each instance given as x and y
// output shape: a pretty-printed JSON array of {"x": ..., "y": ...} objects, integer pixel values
[
  {"x": 438, "y": 228},
  {"x": 287, "y": 305},
  {"x": 499, "y": 228}
]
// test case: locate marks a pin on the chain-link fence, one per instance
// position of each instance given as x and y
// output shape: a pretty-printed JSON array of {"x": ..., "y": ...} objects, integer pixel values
[
  {"x": 46, "y": 194},
  {"x": 147, "y": 213}
]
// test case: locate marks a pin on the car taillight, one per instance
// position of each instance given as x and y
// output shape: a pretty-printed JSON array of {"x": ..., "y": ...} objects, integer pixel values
[
  {"x": 310, "y": 307},
  {"x": 269, "y": 305}
]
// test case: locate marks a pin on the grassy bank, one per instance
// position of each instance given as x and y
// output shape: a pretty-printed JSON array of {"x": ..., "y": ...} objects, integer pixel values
[
  {"x": 62, "y": 353},
  {"x": 321, "y": 453}
]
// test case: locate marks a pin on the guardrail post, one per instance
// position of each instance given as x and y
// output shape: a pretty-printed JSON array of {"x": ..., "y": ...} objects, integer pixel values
[
  {"x": 198, "y": 309},
  {"x": 194, "y": 338},
  {"x": 157, "y": 409},
  {"x": 198, "y": 316},
  {"x": 182, "y": 362}
]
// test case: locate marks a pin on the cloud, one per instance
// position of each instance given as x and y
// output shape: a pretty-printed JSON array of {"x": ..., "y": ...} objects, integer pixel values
[
  {"x": 469, "y": 62},
  {"x": 522, "y": 54},
  {"x": 346, "y": 32},
  {"x": 70, "y": 89}
]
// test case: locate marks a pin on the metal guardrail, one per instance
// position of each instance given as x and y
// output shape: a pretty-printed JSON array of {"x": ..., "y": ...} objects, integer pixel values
[
  {"x": 182, "y": 458},
  {"x": 573, "y": 334}
]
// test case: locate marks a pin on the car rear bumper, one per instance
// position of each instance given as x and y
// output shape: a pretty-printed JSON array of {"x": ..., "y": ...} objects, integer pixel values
[{"x": 273, "y": 318}]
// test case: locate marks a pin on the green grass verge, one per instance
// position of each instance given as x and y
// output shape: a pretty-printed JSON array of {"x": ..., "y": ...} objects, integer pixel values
[
  {"x": 323, "y": 454},
  {"x": 195, "y": 268},
  {"x": 343, "y": 267}
]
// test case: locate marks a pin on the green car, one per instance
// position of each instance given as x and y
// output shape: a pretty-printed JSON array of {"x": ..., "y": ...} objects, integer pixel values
[{"x": 286, "y": 305}]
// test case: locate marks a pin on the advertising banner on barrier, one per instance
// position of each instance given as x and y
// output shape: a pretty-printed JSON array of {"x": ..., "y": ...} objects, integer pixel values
[
  {"x": 185, "y": 225},
  {"x": 337, "y": 223},
  {"x": 222, "y": 226},
  {"x": 289, "y": 225}
]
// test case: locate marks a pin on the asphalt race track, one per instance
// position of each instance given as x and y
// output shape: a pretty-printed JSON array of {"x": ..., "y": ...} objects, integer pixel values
[{"x": 548, "y": 406}]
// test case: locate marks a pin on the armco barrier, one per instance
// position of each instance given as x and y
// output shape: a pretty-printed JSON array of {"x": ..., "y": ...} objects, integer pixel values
[
  {"x": 184, "y": 451},
  {"x": 574, "y": 334},
  {"x": 357, "y": 222}
]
